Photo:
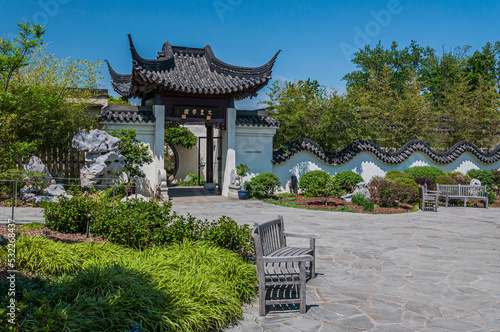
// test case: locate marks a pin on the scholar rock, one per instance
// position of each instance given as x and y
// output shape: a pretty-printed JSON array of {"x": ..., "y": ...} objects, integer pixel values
[
  {"x": 96, "y": 141},
  {"x": 361, "y": 188},
  {"x": 138, "y": 197},
  {"x": 102, "y": 170},
  {"x": 475, "y": 182},
  {"x": 56, "y": 190},
  {"x": 40, "y": 199},
  {"x": 35, "y": 164}
]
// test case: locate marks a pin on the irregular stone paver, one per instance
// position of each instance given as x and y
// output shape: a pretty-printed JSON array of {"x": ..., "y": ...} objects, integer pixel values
[{"x": 405, "y": 272}]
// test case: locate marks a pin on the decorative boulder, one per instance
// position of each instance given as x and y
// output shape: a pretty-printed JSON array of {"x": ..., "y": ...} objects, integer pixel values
[
  {"x": 102, "y": 171},
  {"x": 361, "y": 188},
  {"x": 96, "y": 141},
  {"x": 56, "y": 190},
  {"x": 134, "y": 196},
  {"x": 40, "y": 199},
  {"x": 35, "y": 164},
  {"x": 475, "y": 182}
]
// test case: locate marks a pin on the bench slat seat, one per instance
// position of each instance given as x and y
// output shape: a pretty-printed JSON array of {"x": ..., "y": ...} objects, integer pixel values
[
  {"x": 281, "y": 265},
  {"x": 463, "y": 192}
]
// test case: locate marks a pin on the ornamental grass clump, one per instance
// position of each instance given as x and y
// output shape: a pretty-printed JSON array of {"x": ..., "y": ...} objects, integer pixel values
[{"x": 189, "y": 286}]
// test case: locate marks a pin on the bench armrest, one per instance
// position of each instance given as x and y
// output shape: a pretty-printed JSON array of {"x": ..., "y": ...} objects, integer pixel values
[
  {"x": 303, "y": 235},
  {"x": 288, "y": 259}
]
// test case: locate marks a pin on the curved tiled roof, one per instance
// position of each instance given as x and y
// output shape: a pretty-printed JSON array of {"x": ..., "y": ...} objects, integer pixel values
[
  {"x": 358, "y": 146},
  {"x": 191, "y": 71}
]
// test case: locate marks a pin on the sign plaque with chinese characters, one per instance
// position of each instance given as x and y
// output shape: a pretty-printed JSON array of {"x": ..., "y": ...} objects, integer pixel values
[{"x": 207, "y": 113}]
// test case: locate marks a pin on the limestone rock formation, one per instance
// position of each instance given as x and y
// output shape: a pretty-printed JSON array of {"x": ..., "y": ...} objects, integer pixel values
[
  {"x": 102, "y": 163},
  {"x": 361, "y": 188},
  {"x": 102, "y": 170},
  {"x": 95, "y": 141}
]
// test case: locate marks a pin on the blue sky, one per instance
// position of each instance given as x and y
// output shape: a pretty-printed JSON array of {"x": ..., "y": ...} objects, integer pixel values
[{"x": 316, "y": 37}]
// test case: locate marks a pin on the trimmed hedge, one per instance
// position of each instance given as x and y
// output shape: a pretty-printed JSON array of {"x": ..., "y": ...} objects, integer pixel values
[
  {"x": 347, "y": 180},
  {"x": 263, "y": 185},
  {"x": 424, "y": 171}
]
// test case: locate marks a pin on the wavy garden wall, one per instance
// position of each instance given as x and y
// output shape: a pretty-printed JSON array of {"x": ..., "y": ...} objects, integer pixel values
[{"x": 368, "y": 160}]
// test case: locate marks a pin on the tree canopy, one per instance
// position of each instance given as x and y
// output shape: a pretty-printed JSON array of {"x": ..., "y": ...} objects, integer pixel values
[
  {"x": 396, "y": 95},
  {"x": 43, "y": 99}
]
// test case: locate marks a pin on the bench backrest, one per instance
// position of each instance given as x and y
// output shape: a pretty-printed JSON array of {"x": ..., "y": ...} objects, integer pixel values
[
  {"x": 269, "y": 237},
  {"x": 462, "y": 190}
]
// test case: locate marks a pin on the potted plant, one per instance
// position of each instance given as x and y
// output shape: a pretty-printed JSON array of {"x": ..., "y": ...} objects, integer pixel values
[{"x": 242, "y": 170}]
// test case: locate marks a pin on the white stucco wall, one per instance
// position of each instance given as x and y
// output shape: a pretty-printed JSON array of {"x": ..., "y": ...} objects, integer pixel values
[
  {"x": 254, "y": 147},
  {"x": 368, "y": 166}
]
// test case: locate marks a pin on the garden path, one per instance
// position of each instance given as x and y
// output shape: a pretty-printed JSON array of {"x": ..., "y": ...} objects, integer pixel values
[{"x": 420, "y": 271}]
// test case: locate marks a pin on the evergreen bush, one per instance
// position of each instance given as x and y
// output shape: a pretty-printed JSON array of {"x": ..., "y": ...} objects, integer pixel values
[
  {"x": 263, "y": 185},
  {"x": 315, "y": 183},
  {"x": 485, "y": 176},
  {"x": 424, "y": 171},
  {"x": 445, "y": 179},
  {"x": 348, "y": 180}
]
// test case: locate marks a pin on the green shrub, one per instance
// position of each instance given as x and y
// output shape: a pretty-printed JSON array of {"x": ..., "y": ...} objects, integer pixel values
[
  {"x": 496, "y": 177},
  {"x": 445, "y": 179},
  {"x": 460, "y": 177},
  {"x": 226, "y": 233},
  {"x": 186, "y": 287},
  {"x": 485, "y": 176},
  {"x": 492, "y": 197},
  {"x": 393, "y": 175},
  {"x": 358, "y": 199},
  {"x": 368, "y": 206},
  {"x": 70, "y": 215},
  {"x": 424, "y": 171},
  {"x": 348, "y": 180},
  {"x": 315, "y": 183},
  {"x": 407, "y": 182},
  {"x": 140, "y": 224},
  {"x": 263, "y": 185},
  {"x": 390, "y": 194}
]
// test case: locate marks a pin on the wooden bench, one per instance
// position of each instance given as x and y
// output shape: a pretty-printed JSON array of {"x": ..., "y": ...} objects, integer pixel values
[
  {"x": 281, "y": 265},
  {"x": 448, "y": 191},
  {"x": 429, "y": 200}
]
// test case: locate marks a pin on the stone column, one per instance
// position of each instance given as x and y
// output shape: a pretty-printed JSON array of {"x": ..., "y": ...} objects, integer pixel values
[
  {"x": 229, "y": 150},
  {"x": 159, "y": 152}
]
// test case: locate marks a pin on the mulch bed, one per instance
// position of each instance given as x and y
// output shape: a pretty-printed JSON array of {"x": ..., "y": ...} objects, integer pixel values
[
  {"x": 336, "y": 203},
  {"x": 54, "y": 235}
]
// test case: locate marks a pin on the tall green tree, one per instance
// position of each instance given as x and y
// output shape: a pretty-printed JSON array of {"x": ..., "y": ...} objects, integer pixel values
[{"x": 44, "y": 99}]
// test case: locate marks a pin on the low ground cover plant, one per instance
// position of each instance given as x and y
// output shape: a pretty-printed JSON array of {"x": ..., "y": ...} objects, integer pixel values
[
  {"x": 190, "y": 286},
  {"x": 140, "y": 224}
]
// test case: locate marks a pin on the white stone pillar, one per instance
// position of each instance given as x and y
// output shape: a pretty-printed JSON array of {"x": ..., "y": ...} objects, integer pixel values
[
  {"x": 228, "y": 150},
  {"x": 159, "y": 151}
]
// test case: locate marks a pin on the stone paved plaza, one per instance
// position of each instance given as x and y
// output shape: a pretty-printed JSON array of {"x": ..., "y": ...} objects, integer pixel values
[
  {"x": 421, "y": 271},
  {"x": 406, "y": 272}
]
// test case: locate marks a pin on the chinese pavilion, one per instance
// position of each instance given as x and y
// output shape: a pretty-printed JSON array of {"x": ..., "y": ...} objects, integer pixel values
[{"x": 190, "y": 85}]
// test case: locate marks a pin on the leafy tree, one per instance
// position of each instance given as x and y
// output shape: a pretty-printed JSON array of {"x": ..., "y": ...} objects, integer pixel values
[
  {"x": 43, "y": 99},
  {"x": 117, "y": 101},
  {"x": 136, "y": 152},
  {"x": 373, "y": 63},
  {"x": 180, "y": 136},
  {"x": 393, "y": 117},
  {"x": 299, "y": 106},
  {"x": 307, "y": 109}
]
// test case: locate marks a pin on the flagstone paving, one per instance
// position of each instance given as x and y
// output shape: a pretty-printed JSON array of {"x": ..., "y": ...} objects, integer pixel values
[
  {"x": 421, "y": 271},
  {"x": 406, "y": 272}
]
